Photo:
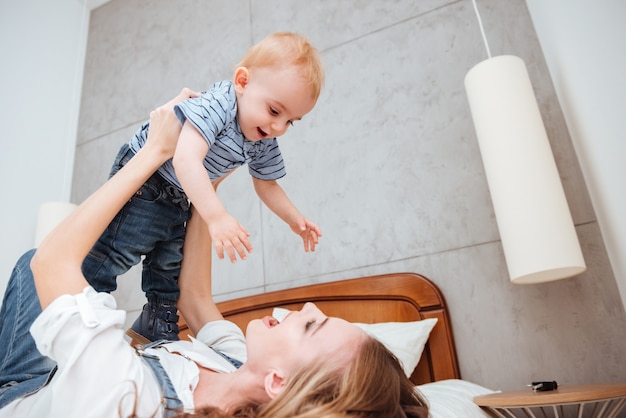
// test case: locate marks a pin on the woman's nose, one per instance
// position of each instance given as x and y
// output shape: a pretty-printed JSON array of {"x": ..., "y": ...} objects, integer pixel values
[{"x": 310, "y": 307}]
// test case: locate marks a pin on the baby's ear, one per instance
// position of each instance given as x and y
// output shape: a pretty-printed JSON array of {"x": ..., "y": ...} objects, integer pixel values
[
  {"x": 240, "y": 80},
  {"x": 274, "y": 383}
]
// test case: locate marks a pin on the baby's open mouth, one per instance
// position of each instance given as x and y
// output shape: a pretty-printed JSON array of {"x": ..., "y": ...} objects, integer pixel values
[{"x": 261, "y": 132}]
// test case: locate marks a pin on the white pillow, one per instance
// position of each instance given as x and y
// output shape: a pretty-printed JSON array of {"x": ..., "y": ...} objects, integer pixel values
[{"x": 406, "y": 340}]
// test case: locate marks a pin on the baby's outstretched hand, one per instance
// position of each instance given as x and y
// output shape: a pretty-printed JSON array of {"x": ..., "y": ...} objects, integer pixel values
[
  {"x": 308, "y": 231},
  {"x": 227, "y": 234}
]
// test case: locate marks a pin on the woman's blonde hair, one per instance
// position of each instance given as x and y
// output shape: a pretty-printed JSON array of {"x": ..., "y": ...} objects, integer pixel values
[
  {"x": 288, "y": 48},
  {"x": 373, "y": 385}
]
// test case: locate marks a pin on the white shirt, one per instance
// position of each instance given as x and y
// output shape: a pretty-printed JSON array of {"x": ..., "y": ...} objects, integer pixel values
[{"x": 100, "y": 374}]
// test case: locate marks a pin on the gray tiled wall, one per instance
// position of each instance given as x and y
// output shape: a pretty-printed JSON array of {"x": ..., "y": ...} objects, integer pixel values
[{"x": 387, "y": 164}]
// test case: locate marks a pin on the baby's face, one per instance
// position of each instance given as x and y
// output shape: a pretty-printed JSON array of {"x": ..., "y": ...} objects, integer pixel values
[{"x": 270, "y": 100}]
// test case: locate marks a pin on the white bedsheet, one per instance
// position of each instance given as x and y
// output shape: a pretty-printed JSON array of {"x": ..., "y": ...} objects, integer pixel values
[{"x": 453, "y": 398}]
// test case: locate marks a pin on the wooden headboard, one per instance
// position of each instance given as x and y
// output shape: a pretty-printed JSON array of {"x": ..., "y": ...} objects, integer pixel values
[{"x": 397, "y": 297}]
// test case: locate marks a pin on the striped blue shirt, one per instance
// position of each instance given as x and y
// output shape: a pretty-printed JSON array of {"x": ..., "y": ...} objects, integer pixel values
[{"x": 214, "y": 115}]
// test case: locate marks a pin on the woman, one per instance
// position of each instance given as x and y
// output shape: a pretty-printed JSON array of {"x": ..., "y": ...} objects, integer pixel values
[{"x": 309, "y": 365}]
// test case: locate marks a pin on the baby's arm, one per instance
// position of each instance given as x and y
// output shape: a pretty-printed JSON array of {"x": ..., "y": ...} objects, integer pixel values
[
  {"x": 275, "y": 198},
  {"x": 226, "y": 233}
]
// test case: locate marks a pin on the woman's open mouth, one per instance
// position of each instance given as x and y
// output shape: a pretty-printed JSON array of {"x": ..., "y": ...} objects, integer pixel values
[{"x": 270, "y": 321}]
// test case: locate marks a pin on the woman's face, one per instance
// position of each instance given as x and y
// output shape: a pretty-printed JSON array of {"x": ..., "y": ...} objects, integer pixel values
[{"x": 301, "y": 337}]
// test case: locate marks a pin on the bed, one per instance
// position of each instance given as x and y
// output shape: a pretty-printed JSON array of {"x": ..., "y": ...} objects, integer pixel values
[{"x": 406, "y": 311}]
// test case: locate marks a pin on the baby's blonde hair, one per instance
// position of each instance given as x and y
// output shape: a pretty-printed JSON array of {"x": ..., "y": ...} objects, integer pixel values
[{"x": 288, "y": 48}]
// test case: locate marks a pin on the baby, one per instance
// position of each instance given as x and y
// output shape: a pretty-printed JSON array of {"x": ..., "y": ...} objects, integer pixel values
[{"x": 233, "y": 123}]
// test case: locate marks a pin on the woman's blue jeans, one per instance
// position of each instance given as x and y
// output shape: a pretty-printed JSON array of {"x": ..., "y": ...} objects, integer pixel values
[{"x": 23, "y": 369}]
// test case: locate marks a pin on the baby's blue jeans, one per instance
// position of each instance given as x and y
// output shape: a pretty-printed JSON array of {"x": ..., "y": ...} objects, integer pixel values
[{"x": 151, "y": 224}]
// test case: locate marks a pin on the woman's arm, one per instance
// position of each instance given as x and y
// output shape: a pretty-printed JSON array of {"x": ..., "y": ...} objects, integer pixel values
[
  {"x": 196, "y": 297},
  {"x": 57, "y": 263}
]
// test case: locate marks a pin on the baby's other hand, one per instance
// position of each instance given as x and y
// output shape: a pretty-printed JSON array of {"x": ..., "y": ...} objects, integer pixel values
[{"x": 308, "y": 231}]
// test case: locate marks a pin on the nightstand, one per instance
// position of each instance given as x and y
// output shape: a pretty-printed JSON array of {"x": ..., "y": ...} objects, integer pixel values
[{"x": 603, "y": 400}]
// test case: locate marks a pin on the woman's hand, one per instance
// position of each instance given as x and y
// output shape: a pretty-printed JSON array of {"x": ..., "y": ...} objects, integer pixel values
[{"x": 164, "y": 125}]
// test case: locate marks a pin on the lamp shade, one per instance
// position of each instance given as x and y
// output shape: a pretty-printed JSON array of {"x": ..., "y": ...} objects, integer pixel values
[
  {"x": 536, "y": 228},
  {"x": 49, "y": 216}
]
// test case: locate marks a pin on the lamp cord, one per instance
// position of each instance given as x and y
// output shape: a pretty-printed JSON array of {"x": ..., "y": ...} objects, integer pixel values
[{"x": 482, "y": 30}]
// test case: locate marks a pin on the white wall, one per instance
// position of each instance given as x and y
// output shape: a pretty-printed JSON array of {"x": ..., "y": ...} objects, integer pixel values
[
  {"x": 583, "y": 46},
  {"x": 42, "y": 72},
  {"x": 42, "y": 75},
  {"x": 43, "y": 48},
  {"x": 387, "y": 164}
]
